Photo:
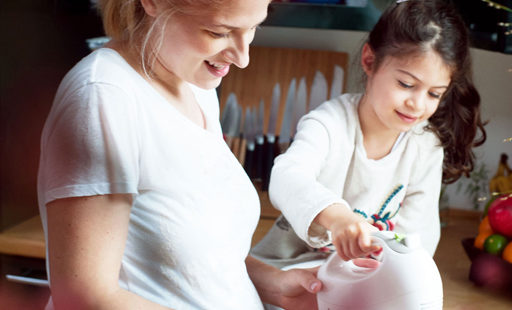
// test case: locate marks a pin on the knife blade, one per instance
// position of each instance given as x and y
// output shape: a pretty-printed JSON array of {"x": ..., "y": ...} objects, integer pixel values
[
  {"x": 337, "y": 82},
  {"x": 243, "y": 143},
  {"x": 285, "y": 133},
  {"x": 235, "y": 144},
  {"x": 230, "y": 119},
  {"x": 249, "y": 140},
  {"x": 318, "y": 91},
  {"x": 259, "y": 139},
  {"x": 269, "y": 148},
  {"x": 274, "y": 109},
  {"x": 300, "y": 104}
]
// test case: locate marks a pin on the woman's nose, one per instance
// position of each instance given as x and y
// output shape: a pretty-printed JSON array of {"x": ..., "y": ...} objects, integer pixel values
[{"x": 238, "y": 52}]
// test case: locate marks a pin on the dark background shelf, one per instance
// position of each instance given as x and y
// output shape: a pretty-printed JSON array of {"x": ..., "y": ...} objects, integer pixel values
[{"x": 481, "y": 19}]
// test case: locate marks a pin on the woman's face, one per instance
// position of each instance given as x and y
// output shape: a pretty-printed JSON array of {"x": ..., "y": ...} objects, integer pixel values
[
  {"x": 403, "y": 92},
  {"x": 199, "y": 48}
]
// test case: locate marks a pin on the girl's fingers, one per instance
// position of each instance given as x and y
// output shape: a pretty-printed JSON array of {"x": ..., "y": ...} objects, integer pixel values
[
  {"x": 355, "y": 241},
  {"x": 365, "y": 242},
  {"x": 342, "y": 249},
  {"x": 355, "y": 250},
  {"x": 366, "y": 245}
]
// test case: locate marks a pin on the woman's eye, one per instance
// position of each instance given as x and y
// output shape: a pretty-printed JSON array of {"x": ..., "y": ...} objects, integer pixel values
[
  {"x": 218, "y": 34},
  {"x": 404, "y": 85}
]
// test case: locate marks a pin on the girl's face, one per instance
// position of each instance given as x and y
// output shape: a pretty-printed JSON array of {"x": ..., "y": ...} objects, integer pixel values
[
  {"x": 200, "y": 48},
  {"x": 403, "y": 92}
]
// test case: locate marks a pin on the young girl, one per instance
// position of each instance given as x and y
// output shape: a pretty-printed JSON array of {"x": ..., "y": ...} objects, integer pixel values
[
  {"x": 376, "y": 160},
  {"x": 143, "y": 204}
]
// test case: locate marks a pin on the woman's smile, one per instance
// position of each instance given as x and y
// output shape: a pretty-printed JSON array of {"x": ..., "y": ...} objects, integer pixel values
[{"x": 218, "y": 70}]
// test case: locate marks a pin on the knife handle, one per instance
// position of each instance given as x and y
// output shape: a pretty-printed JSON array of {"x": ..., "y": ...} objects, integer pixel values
[
  {"x": 268, "y": 156},
  {"x": 243, "y": 150},
  {"x": 258, "y": 158},
  {"x": 235, "y": 147},
  {"x": 248, "y": 163},
  {"x": 229, "y": 141}
]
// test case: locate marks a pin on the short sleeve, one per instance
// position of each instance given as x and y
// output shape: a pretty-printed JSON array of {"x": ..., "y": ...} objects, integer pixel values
[{"x": 90, "y": 144}]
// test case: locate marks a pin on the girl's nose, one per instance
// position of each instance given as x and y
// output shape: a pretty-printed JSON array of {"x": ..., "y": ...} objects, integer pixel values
[{"x": 416, "y": 102}]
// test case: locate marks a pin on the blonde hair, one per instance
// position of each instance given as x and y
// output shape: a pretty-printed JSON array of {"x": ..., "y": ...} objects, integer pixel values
[
  {"x": 123, "y": 19},
  {"x": 126, "y": 21}
]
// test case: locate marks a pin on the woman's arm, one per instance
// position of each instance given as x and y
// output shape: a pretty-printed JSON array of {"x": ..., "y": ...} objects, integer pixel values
[
  {"x": 86, "y": 241},
  {"x": 293, "y": 289}
]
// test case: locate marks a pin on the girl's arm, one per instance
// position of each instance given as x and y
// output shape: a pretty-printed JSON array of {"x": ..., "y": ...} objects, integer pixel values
[
  {"x": 322, "y": 148},
  {"x": 86, "y": 241},
  {"x": 294, "y": 186},
  {"x": 292, "y": 289}
]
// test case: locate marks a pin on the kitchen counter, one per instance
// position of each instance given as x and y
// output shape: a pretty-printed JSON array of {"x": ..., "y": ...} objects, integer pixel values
[
  {"x": 24, "y": 239},
  {"x": 27, "y": 239}
]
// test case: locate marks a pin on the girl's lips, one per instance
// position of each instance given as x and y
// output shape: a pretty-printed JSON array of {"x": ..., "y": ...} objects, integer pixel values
[
  {"x": 217, "y": 71},
  {"x": 406, "y": 118}
]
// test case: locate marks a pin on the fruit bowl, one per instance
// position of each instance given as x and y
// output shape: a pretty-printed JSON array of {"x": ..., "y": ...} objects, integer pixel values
[{"x": 486, "y": 269}]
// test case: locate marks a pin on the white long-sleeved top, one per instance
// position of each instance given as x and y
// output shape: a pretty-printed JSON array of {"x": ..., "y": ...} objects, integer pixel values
[{"x": 327, "y": 163}]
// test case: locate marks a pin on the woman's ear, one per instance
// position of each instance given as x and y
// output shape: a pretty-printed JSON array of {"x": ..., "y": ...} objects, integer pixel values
[
  {"x": 150, "y": 7},
  {"x": 367, "y": 59}
]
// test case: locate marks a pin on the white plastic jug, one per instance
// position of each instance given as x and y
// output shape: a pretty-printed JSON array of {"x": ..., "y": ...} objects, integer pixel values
[{"x": 407, "y": 278}]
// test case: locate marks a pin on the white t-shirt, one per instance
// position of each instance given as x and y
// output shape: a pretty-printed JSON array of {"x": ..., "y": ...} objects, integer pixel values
[
  {"x": 327, "y": 163},
  {"x": 194, "y": 210}
]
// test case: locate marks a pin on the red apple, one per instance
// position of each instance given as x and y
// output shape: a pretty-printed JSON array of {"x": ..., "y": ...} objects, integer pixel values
[{"x": 500, "y": 215}]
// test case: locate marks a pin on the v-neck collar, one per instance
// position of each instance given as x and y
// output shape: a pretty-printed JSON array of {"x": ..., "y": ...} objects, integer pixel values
[{"x": 209, "y": 126}]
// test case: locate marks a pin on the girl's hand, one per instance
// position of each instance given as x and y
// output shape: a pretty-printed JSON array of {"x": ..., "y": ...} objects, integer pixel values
[{"x": 349, "y": 231}]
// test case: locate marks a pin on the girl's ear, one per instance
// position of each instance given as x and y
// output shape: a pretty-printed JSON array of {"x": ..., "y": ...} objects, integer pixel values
[
  {"x": 150, "y": 7},
  {"x": 367, "y": 59}
]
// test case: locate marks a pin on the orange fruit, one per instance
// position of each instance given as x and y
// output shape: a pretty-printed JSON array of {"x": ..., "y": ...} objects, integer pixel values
[
  {"x": 480, "y": 239},
  {"x": 507, "y": 253},
  {"x": 485, "y": 226}
]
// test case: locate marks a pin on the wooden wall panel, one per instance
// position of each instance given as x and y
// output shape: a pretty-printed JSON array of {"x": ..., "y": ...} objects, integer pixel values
[{"x": 269, "y": 65}]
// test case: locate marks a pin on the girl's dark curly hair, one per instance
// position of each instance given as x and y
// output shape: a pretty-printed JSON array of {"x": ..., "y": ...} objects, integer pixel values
[{"x": 415, "y": 27}]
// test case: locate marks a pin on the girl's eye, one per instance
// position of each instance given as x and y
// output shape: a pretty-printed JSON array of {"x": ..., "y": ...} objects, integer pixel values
[
  {"x": 404, "y": 85},
  {"x": 434, "y": 95}
]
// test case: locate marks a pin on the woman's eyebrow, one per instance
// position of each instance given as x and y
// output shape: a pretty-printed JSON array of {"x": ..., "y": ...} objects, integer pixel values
[{"x": 232, "y": 27}]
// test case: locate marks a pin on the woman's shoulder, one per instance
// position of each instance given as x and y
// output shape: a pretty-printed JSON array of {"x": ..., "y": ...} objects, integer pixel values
[
  {"x": 104, "y": 71},
  {"x": 104, "y": 66}
]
